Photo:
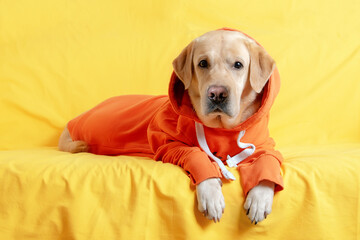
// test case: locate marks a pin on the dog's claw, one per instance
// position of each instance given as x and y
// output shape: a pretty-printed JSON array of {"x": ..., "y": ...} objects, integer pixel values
[
  {"x": 248, "y": 211},
  {"x": 255, "y": 222}
]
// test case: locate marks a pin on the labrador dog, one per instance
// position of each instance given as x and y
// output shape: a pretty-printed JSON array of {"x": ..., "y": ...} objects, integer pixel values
[{"x": 215, "y": 69}]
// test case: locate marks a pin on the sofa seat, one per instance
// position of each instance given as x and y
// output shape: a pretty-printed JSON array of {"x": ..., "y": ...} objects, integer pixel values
[{"x": 48, "y": 194}]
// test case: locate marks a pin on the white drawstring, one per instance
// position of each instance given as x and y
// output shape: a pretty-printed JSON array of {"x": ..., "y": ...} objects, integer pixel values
[{"x": 248, "y": 149}]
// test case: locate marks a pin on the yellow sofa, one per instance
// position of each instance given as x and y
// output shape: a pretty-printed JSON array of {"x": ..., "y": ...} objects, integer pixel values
[{"x": 60, "y": 58}]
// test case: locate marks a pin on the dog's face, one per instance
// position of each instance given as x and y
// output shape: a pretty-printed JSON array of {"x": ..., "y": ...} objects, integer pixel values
[{"x": 224, "y": 72}]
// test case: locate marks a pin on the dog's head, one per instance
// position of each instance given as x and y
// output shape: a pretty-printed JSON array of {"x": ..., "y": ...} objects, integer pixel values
[{"x": 224, "y": 72}]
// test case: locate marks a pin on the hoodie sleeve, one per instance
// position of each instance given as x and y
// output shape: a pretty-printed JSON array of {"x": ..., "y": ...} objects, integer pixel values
[
  {"x": 170, "y": 139},
  {"x": 264, "y": 163}
]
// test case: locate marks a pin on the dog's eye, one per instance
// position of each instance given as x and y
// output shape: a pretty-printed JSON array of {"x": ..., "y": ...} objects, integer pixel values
[
  {"x": 238, "y": 65},
  {"x": 203, "y": 64}
]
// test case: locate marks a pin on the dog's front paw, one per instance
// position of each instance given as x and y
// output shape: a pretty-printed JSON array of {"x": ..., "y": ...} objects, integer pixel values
[
  {"x": 210, "y": 198},
  {"x": 259, "y": 201}
]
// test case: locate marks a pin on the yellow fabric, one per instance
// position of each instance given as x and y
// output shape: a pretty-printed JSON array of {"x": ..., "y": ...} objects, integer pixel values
[
  {"x": 55, "y": 195},
  {"x": 59, "y": 58}
]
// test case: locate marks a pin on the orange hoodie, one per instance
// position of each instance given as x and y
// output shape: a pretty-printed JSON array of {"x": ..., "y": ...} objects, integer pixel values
[{"x": 163, "y": 128}]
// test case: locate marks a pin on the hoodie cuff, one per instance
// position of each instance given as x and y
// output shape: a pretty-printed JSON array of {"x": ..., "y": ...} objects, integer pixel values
[
  {"x": 266, "y": 167},
  {"x": 199, "y": 167}
]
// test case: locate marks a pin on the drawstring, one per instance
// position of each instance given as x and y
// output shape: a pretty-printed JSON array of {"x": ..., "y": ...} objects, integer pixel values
[{"x": 248, "y": 149}]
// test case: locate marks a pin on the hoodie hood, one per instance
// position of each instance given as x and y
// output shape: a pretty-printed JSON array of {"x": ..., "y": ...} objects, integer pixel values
[{"x": 181, "y": 103}]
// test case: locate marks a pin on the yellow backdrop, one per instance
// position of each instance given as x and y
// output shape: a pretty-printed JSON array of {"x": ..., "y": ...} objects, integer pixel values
[{"x": 59, "y": 58}]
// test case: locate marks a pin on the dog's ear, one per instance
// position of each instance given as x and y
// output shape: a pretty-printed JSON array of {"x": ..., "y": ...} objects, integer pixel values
[
  {"x": 183, "y": 65},
  {"x": 261, "y": 66}
]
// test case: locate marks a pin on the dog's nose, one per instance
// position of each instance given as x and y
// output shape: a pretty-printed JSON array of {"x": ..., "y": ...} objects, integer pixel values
[{"x": 217, "y": 94}]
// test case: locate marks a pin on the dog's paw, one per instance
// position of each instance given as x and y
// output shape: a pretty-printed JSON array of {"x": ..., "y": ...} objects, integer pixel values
[
  {"x": 210, "y": 198},
  {"x": 259, "y": 201}
]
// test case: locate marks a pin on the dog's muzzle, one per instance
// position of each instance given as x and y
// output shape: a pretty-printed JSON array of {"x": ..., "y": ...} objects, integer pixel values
[{"x": 217, "y": 100}]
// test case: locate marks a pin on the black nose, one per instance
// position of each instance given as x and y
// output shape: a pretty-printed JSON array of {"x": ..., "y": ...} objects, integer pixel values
[{"x": 217, "y": 94}]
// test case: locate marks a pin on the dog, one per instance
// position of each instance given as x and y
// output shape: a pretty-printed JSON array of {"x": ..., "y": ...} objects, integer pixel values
[{"x": 220, "y": 93}]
